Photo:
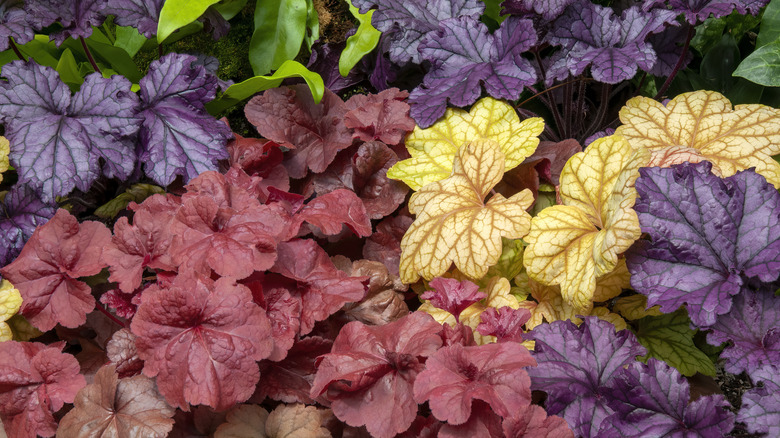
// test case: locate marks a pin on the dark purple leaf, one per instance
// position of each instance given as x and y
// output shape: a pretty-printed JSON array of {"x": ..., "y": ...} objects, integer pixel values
[
  {"x": 77, "y": 17},
  {"x": 57, "y": 139},
  {"x": 178, "y": 136},
  {"x": 324, "y": 60},
  {"x": 214, "y": 23},
  {"x": 14, "y": 23},
  {"x": 21, "y": 212},
  {"x": 753, "y": 327},
  {"x": 141, "y": 14},
  {"x": 707, "y": 234},
  {"x": 614, "y": 47},
  {"x": 412, "y": 20},
  {"x": 668, "y": 47},
  {"x": 548, "y": 9},
  {"x": 761, "y": 405},
  {"x": 577, "y": 369},
  {"x": 653, "y": 400},
  {"x": 463, "y": 56},
  {"x": 696, "y": 11}
]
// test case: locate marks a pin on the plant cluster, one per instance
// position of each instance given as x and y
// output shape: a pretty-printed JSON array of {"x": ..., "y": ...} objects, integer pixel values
[{"x": 439, "y": 256}]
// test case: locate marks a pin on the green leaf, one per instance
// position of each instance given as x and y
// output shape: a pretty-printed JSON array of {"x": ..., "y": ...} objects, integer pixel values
[
  {"x": 178, "y": 13},
  {"x": 669, "y": 338},
  {"x": 279, "y": 29},
  {"x": 770, "y": 24},
  {"x": 43, "y": 51},
  {"x": 718, "y": 64},
  {"x": 312, "y": 25},
  {"x": 510, "y": 264},
  {"x": 493, "y": 10},
  {"x": 361, "y": 43},
  {"x": 68, "y": 69},
  {"x": 106, "y": 54},
  {"x": 128, "y": 39},
  {"x": 244, "y": 90},
  {"x": 136, "y": 193},
  {"x": 762, "y": 66},
  {"x": 710, "y": 32},
  {"x": 230, "y": 8}
]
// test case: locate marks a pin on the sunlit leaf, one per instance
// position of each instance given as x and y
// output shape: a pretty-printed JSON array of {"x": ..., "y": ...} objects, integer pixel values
[
  {"x": 732, "y": 139},
  {"x": 5, "y": 149},
  {"x": 573, "y": 244},
  {"x": 454, "y": 223},
  {"x": 433, "y": 150}
]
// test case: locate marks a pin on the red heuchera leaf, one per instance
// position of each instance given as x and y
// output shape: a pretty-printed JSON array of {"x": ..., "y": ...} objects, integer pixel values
[
  {"x": 483, "y": 423},
  {"x": 422, "y": 427},
  {"x": 459, "y": 334},
  {"x": 202, "y": 421},
  {"x": 223, "y": 227},
  {"x": 290, "y": 380},
  {"x": 114, "y": 407},
  {"x": 321, "y": 288},
  {"x": 143, "y": 244},
  {"x": 258, "y": 157},
  {"x": 36, "y": 380},
  {"x": 383, "y": 116},
  {"x": 533, "y": 421},
  {"x": 202, "y": 341},
  {"x": 272, "y": 293},
  {"x": 329, "y": 211},
  {"x": 121, "y": 351},
  {"x": 383, "y": 302},
  {"x": 456, "y": 375},
  {"x": 314, "y": 132},
  {"x": 506, "y": 323},
  {"x": 368, "y": 375},
  {"x": 124, "y": 305},
  {"x": 545, "y": 165},
  {"x": 452, "y": 295},
  {"x": 363, "y": 170},
  {"x": 46, "y": 270},
  {"x": 384, "y": 246}
]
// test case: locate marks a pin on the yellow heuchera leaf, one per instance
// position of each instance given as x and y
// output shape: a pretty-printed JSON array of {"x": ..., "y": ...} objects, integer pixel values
[
  {"x": 10, "y": 302},
  {"x": 498, "y": 296},
  {"x": 453, "y": 222},
  {"x": 635, "y": 307},
  {"x": 433, "y": 149},
  {"x": 732, "y": 139},
  {"x": 5, "y": 149},
  {"x": 575, "y": 243}
]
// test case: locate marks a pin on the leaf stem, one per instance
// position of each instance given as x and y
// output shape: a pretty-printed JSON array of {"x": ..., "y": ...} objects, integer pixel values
[
  {"x": 89, "y": 55},
  {"x": 602, "y": 112},
  {"x": 109, "y": 315},
  {"x": 16, "y": 49},
  {"x": 678, "y": 66}
]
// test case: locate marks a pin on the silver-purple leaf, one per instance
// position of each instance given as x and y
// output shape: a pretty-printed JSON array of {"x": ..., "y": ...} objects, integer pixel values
[
  {"x": 548, "y": 9},
  {"x": 760, "y": 409},
  {"x": 56, "y": 139},
  {"x": 696, "y": 11},
  {"x": 21, "y": 212},
  {"x": 178, "y": 136},
  {"x": 463, "y": 56},
  {"x": 577, "y": 366},
  {"x": 77, "y": 17},
  {"x": 141, "y": 14},
  {"x": 14, "y": 23},
  {"x": 613, "y": 47},
  {"x": 706, "y": 235}
]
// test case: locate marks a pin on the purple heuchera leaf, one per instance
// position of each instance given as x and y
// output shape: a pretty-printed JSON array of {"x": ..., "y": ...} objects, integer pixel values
[
  {"x": 412, "y": 20},
  {"x": 463, "y": 56},
  {"x": 141, "y": 14},
  {"x": 21, "y": 212},
  {"x": 668, "y": 47},
  {"x": 452, "y": 295},
  {"x": 77, "y": 17},
  {"x": 753, "y": 327},
  {"x": 652, "y": 400},
  {"x": 57, "y": 139},
  {"x": 707, "y": 234},
  {"x": 699, "y": 10},
  {"x": 548, "y": 9},
  {"x": 578, "y": 367},
  {"x": 614, "y": 47},
  {"x": 760, "y": 409},
  {"x": 178, "y": 136},
  {"x": 14, "y": 23}
]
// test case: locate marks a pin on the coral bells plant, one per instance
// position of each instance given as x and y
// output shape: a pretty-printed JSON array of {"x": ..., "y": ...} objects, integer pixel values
[{"x": 462, "y": 219}]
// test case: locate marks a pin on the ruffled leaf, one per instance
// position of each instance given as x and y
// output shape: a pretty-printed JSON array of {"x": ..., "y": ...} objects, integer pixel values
[
  {"x": 383, "y": 116},
  {"x": 141, "y": 14},
  {"x": 21, "y": 212},
  {"x": 452, "y": 295},
  {"x": 760, "y": 409}
]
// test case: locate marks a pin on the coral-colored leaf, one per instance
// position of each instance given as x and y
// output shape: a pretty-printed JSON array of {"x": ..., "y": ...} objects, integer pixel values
[
  {"x": 36, "y": 380},
  {"x": 434, "y": 150},
  {"x": 383, "y": 116},
  {"x": 202, "y": 341},
  {"x": 454, "y": 224},
  {"x": 118, "y": 407},
  {"x": 384, "y": 246},
  {"x": 452, "y": 295},
  {"x": 290, "y": 379},
  {"x": 573, "y": 244},
  {"x": 732, "y": 139},
  {"x": 533, "y": 421},
  {"x": 332, "y": 210},
  {"x": 47, "y": 269}
]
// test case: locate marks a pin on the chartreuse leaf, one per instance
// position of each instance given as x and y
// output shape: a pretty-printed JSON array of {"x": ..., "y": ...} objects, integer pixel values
[
  {"x": 361, "y": 43},
  {"x": 248, "y": 88},
  {"x": 669, "y": 338},
  {"x": 179, "y": 13},
  {"x": 68, "y": 69},
  {"x": 279, "y": 29},
  {"x": 455, "y": 225},
  {"x": 733, "y": 139},
  {"x": 10, "y": 302},
  {"x": 510, "y": 263},
  {"x": 433, "y": 149},
  {"x": 5, "y": 149},
  {"x": 573, "y": 244},
  {"x": 136, "y": 193},
  {"x": 129, "y": 39},
  {"x": 634, "y": 307}
]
